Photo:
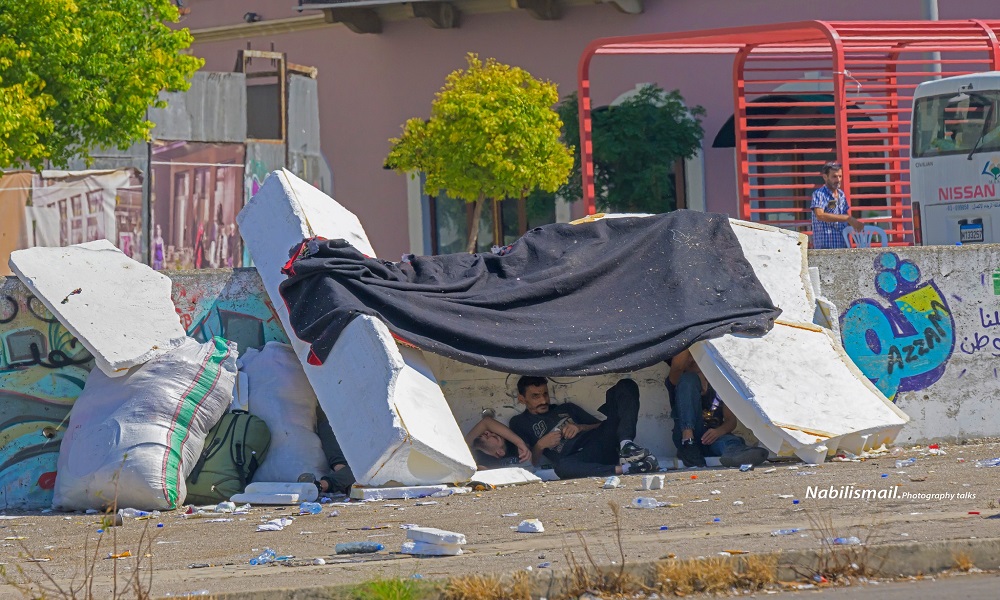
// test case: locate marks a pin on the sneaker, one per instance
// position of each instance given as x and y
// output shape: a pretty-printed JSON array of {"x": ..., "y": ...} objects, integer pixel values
[
  {"x": 632, "y": 452},
  {"x": 646, "y": 464},
  {"x": 691, "y": 455},
  {"x": 310, "y": 478},
  {"x": 748, "y": 456}
]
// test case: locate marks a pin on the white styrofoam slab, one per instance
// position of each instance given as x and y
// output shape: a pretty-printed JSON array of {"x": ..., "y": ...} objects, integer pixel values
[
  {"x": 384, "y": 405},
  {"x": 118, "y": 308},
  {"x": 779, "y": 260},
  {"x": 799, "y": 392},
  {"x": 359, "y": 492},
  {"x": 264, "y": 498},
  {"x": 423, "y": 548},
  {"x": 505, "y": 476},
  {"x": 306, "y": 492},
  {"x": 433, "y": 535}
]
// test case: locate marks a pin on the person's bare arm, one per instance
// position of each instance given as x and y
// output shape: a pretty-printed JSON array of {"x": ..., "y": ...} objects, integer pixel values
[
  {"x": 477, "y": 430},
  {"x": 728, "y": 425},
  {"x": 523, "y": 452},
  {"x": 822, "y": 215}
]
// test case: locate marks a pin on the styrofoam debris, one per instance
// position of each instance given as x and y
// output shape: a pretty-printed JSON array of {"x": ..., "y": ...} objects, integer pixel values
[
  {"x": 432, "y": 535},
  {"x": 505, "y": 476},
  {"x": 396, "y": 493},
  {"x": 530, "y": 526},
  {"x": 306, "y": 492},
  {"x": 275, "y": 524},
  {"x": 118, "y": 308},
  {"x": 261, "y": 498},
  {"x": 428, "y": 549}
]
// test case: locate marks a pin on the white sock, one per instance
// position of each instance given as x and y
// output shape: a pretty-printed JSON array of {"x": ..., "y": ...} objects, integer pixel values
[
  {"x": 625, "y": 468},
  {"x": 623, "y": 442}
]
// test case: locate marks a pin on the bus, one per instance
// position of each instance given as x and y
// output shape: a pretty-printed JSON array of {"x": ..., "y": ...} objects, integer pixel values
[{"x": 955, "y": 160}]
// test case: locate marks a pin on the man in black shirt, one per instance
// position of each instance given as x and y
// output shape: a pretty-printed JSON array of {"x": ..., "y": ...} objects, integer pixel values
[
  {"x": 703, "y": 425},
  {"x": 574, "y": 441}
]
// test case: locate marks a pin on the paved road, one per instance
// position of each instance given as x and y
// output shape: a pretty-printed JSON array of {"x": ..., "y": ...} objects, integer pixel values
[{"x": 966, "y": 587}]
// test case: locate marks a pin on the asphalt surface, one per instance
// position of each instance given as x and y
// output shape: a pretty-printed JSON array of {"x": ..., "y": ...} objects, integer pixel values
[{"x": 707, "y": 511}]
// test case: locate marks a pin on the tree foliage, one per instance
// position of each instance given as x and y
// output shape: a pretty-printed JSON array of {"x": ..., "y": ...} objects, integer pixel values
[
  {"x": 75, "y": 75},
  {"x": 492, "y": 134},
  {"x": 636, "y": 144}
]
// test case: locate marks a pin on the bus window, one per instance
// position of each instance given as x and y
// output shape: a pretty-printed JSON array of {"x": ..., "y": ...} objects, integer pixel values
[{"x": 955, "y": 124}]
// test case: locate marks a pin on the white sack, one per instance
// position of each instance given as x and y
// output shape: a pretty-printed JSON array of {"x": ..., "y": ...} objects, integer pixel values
[
  {"x": 150, "y": 425},
  {"x": 280, "y": 394}
]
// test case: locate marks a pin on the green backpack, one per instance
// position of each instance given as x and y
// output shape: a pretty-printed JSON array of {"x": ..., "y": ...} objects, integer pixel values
[{"x": 233, "y": 450}]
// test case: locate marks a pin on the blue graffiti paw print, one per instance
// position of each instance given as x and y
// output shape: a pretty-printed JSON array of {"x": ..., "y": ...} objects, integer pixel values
[
  {"x": 895, "y": 277},
  {"x": 905, "y": 344}
]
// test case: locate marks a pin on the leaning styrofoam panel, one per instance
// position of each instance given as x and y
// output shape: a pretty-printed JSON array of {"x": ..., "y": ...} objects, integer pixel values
[
  {"x": 778, "y": 258},
  {"x": 799, "y": 392},
  {"x": 118, "y": 308},
  {"x": 387, "y": 411}
]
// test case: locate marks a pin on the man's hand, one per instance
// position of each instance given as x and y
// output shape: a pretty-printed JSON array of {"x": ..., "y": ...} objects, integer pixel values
[
  {"x": 569, "y": 430},
  {"x": 523, "y": 452},
  {"x": 549, "y": 440},
  {"x": 856, "y": 224},
  {"x": 710, "y": 436}
]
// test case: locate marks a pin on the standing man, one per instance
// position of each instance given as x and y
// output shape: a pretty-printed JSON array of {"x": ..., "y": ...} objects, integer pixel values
[
  {"x": 574, "y": 441},
  {"x": 829, "y": 210}
]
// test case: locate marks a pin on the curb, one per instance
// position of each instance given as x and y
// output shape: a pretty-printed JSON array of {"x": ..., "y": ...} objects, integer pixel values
[{"x": 897, "y": 560}]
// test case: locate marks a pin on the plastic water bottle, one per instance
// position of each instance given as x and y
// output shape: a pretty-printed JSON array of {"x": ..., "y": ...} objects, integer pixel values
[
  {"x": 988, "y": 462},
  {"x": 785, "y": 532},
  {"x": 906, "y": 463},
  {"x": 133, "y": 513},
  {"x": 645, "y": 503},
  {"x": 265, "y": 557},
  {"x": 848, "y": 541},
  {"x": 310, "y": 508},
  {"x": 358, "y": 547}
]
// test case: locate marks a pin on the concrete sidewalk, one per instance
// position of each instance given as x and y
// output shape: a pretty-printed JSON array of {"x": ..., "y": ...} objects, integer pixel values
[{"x": 943, "y": 498}]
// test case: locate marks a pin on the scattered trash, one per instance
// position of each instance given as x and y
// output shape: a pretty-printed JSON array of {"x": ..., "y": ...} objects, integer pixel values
[
  {"x": 795, "y": 501},
  {"x": 884, "y": 475},
  {"x": 544, "y": 565},
  {"x": 973, "y": 512},
  {"x": 738, "y": 503},
  {"x": 612, "y": 482},
  {"x": 696, "y": 501},
  {"x": 433, "y": 542},
  {"x": 226, "y": 507},
  {"x": 427, "y": 503},
  {"x": 310, "y": 508},
  {"x": 936, "y": 452},
  {"x": 746, "y": 467},
  {"x": 715, "y": 492},
  {"x": 219, "y": 521},
  {"x": 897, "y": 451},
  {"x": 785, "y": 496},
  {"x": 451, "y": 492},
  {"x": 319, "y": 561},
  {"x": 510, "y": 514},
  {"x": 133, "y": 513},
  {"x": 664, "y": 528},
  {"x": 198, "y": 566},
  {"x": 275, "y": 524},
  {"x": 716, "y": 520},
  {"x": 733, "y": 552},
  {"x": 187, "y": 594},
  {"x": 842, "y": 541},
  {"x": 532, "y": 526},
  {"x": 358, "y": 548},
  {"x": 641, "y": 502},
  {"x": 265, "y": 557},
  {"x": 652, "y": 482},
  {"x": 988, "y": 462},
  {"x": 785, "y": 532},
  {"x": 771, "y": 470},
  {"x": 906, "y": 463}
]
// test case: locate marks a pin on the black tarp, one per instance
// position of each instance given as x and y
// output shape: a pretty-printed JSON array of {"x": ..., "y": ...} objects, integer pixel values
[{"x": 613, "y": 295}]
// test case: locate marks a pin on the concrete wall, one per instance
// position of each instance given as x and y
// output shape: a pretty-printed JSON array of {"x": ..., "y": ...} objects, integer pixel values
[{"x": 924, "y": 325}]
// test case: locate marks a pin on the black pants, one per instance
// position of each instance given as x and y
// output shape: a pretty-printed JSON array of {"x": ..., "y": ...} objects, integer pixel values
[
  {"x": 597, "y": 453},
  {"x": 342, "y": 480}
]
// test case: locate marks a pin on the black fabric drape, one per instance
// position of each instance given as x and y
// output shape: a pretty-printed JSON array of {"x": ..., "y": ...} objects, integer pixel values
[{"x": 612, "y": 295}]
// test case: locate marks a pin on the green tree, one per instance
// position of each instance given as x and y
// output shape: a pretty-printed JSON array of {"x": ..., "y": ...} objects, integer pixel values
[
  {"x": 492, "y": 134},
  {"x": 78, "y": 75},
  {"x": 636, "y": 144}
]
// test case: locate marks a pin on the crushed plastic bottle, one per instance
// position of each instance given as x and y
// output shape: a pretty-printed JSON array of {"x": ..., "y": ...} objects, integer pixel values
[
  {"x": 906, "y": 463},
  {"x": 267, "y": 556},
  {"x": 896, "y": 451},
  {"x": 310, "y": 508},
  {"x": 842, "y": 541},
  {"x": 133, "y": 513},
  {"x": 641, "y": 502},
  {"x": 988, "y": 462},
  {"x": 358, "y": 548},
  {"x": 785, "y": 531},
  {"x": 226, "y": 507}
]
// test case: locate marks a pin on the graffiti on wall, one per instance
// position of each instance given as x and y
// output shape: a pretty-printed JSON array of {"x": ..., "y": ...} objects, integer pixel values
[
  {"x": 43, "y": 369},
  {"x": 905, "y": 343}
]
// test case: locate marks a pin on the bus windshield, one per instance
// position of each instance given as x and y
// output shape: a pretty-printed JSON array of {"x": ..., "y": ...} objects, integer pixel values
[{"x": 956, "y": 124}]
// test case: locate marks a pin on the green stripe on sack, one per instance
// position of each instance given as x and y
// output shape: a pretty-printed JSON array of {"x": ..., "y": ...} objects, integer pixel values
[{"x": 205, "y": 381}]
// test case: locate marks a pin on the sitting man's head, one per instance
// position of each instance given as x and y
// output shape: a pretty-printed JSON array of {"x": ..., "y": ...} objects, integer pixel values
[{"x": 533, "y": 393}]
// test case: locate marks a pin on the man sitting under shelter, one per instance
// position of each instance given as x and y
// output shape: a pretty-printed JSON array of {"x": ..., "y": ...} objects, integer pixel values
[
  {"x": 494, "y": 445},
  {"x": 574, "y": 441},
  {"x": 703, "y": 425}
]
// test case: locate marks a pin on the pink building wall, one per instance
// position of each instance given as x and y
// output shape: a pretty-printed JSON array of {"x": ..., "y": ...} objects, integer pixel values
[{"x": 370, "y": 84}]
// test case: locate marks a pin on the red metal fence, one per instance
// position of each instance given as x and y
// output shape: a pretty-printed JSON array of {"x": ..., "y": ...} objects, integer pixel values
[{"x": 809, "y": 92}]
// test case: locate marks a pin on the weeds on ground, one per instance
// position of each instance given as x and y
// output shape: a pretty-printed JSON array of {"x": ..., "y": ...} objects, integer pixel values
[
  {"x": 392, "y": 589},
  {"x": 715, "y": 575},
  {"x": 837, "y": 563},
  {"x": 963, "y": 561},
  {"x": 44, "y": 584},
  {"x": 587, "y": 576},
  {"x": 489, "y": 587}
]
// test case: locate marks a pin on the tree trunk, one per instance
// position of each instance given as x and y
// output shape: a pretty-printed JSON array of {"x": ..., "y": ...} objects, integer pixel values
[{"x": 470, "y": 246}]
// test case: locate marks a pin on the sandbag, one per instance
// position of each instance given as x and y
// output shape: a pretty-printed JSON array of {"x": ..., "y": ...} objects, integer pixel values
[
  {"x": 233, "y": 451},
  {"x": 280, "y": 394},
  {"x": 136, "y": 438}
]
